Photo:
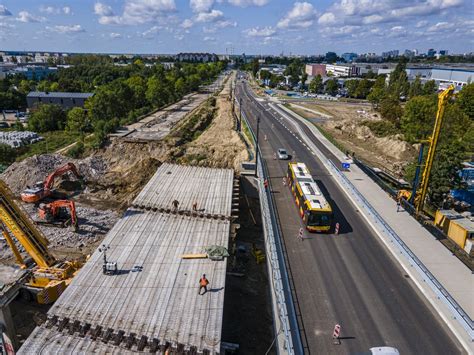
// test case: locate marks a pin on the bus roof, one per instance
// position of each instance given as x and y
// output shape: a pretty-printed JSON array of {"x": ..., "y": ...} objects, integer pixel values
[{"x": 310, "y": 189}]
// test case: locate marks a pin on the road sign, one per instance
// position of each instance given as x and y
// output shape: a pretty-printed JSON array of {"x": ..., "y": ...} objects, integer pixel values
[
  {"x": 337, "y": 331},
  {"x": 300, "y": 234},
  {"x": 346, "y": 166},
  {"x": 336, "y": 229}
]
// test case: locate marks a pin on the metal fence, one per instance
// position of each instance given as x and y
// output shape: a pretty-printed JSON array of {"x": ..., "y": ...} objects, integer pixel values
[{"x": 287, "y": 334}]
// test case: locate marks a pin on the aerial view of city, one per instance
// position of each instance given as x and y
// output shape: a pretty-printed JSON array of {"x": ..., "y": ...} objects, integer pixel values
[{"x": 237, "y": 177}]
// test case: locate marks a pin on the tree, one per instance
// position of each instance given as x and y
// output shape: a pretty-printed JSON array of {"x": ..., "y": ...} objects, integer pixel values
[
  {"x": 331, "y": 87},
  {"x": 416, "y": 88},
  {"x": 465, "y": 100},
  {"x": 304, "y": 78},
  {"x": 418, "y": 118},
  {"x": 429, "y": 88},
  {"x": 351, "y": 86},
  {"x": 47, "y": 118},
  {"x": 363, "y": 88},
  {"x": 390, "y": 109},
  {"x": 7, "y": 154},
  {"x": 316, "y": 85},
  {"x": 294, "y": 80},
  {"x": 255, "y": 67},
  {"x": 378, "y": 92},
  {"x": 77, "y": 120}
]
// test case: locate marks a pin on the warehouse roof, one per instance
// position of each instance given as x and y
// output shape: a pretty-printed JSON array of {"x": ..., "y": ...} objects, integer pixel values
[
  {"x": 60, "y": 95},
  {"x": 154, "y": 297}
]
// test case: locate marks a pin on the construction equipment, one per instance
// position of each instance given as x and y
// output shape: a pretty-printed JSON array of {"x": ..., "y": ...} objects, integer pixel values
[
  {"x": 418, "y": 196},
  {"x": 108, "y": 267},
  {"x": 56, "y": 213},
  {"x": 43, "y": 189},
  {"x": 49, "y": 277}
]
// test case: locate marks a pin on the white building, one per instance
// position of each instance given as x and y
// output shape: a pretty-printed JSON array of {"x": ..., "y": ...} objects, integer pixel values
[{"x": 339, "y": 70}]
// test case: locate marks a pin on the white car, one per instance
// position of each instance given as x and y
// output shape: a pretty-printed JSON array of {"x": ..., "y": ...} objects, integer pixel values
[{"x": 282, "y": 154}]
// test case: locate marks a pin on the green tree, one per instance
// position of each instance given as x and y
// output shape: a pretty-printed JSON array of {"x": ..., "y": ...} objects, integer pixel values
[
  {"x": 416, "y": 88},
  {"x": 316, "y": 84},
  {"x": 363, "y": 89},
  {"x": 7, "y": 154},
  {"x": 304, "y": 78},
  {"x": 465, "y": 100},
  {"x": 351, "y": 86},
  {"x": 429, "y": 88},
  {"x": 377, "y": 92},
  {"x": 255, "y": 67},
  {"x": 331, "y": 87},
  {"x": 418, "y": 118},
  {"x": 390, "y": 109},
  {"x": 77, "y": 120},
  {"x": 47, "y": 118}
]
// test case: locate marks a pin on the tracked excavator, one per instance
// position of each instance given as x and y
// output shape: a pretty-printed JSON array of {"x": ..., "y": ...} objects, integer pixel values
[
  {"x": 59, "y": 212},
  {"x": 48, "y": 277},
  {"x": 43, "y": 189}
]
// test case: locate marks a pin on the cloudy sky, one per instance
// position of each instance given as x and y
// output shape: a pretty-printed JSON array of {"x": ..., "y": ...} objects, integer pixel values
[{"x": 238, "y": 26}]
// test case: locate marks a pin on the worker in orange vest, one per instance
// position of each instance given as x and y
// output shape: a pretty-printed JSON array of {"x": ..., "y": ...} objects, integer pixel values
[{"x": 203, "y": 282}]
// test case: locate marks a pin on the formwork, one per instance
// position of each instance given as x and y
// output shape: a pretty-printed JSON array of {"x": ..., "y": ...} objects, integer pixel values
[{"x": 152, "y": 302}]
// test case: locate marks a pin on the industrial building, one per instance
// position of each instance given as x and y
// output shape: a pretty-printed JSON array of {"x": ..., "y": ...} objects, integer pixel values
[
  {"x": 64, "y": 99},
  {"x": 151, "y": 303},
  {"x": 315, "y": 69},
  {"x": 341, "y": 70}
]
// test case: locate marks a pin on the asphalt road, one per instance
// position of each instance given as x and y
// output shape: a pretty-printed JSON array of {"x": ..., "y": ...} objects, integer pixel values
[{"x": 350, "y": 279}]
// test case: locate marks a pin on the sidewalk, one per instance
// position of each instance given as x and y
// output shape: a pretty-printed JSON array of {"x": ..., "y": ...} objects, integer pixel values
[{"x": 455, "y": 277}]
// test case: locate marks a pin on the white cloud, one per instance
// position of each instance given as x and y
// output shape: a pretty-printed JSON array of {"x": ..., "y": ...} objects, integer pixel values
[
  {"x": 201, "y": 5},
  {"x": 67, "y": 10},
  {"x": 209, "y": 39},
  {"x": 301, "y": 15},
  {"x": 51, "y": 10},
  {"x": 25, "y": 16},
  {"x": 245, "y": 3},
  {"x": 135, "y": 12},
  {"x": 187, "y": 24},
  {"x": 115, "y": 35},
  {"x": 151, "y": 32},
  {"x": 260, "y": 31},
  {"x": 441, "y": 27},
  {"x": 225, "y": 24},
  {"x": 211, "y": 16},
  {"x": 4, "y": 11},
  {"x": 422, "y": 23},
  {"x": 327, "y": 18},
  {"x": 66, "y": 29}
]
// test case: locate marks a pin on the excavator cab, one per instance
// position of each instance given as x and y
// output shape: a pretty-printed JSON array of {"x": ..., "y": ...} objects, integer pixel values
[{"x": 60, "y": 213}]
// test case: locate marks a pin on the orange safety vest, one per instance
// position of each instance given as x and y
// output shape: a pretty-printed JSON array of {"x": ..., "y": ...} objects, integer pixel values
[{"x": 203, "y": 281}]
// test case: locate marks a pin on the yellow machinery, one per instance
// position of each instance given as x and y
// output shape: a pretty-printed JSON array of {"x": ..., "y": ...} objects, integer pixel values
[
  {"x": 49, "y": 277},
  {"x": 419, "y": 196}
]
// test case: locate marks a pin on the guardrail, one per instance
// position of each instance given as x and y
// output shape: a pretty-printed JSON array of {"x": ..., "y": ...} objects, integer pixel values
[
  {"x": 456, "y": 310},
  {"x": 280, "y": 283}
]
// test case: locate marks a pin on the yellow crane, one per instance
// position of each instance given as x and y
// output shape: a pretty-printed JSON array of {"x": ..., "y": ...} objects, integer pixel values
[
  {"x": 419, "y": 196},
  {"x": 49, "y": 277}
]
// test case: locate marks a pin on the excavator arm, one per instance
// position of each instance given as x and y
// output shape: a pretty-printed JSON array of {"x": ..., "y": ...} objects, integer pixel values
[
  {"x": 23, "y": 229},
  {"x": 48, "y": 183},
  {"x": 52, "y": 210}
]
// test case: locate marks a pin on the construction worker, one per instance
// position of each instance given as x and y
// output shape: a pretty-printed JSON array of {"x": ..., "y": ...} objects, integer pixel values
[
  {"x": 195, "y": 206},
  {"x": 265, "y": 183},
  {"x": 203, "y": 282},
  {"x": 175, "y": 204}
]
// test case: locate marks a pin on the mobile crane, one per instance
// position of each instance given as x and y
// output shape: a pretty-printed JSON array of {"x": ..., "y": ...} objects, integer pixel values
[
  {"x": 56, "y": 213},
  {"x": 416, "y": 196},
  {"x": 49, "y": 277},
  {"x": 43, "y": 189}
]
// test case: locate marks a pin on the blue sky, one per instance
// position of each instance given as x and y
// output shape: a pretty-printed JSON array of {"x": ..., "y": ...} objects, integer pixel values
[{"x": 250, "y": 26}]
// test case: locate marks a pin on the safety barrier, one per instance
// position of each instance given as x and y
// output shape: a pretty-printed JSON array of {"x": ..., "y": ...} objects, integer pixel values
[{"x": 287, "y": 334}]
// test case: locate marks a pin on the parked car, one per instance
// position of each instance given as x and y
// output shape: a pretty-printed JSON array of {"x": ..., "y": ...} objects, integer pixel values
[
  {"x": 4, "y": 125},
  {"x": 282, "y": 154}
]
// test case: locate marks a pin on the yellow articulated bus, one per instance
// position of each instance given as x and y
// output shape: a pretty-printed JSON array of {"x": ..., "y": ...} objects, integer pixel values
[{"x": 314, "y": 209}]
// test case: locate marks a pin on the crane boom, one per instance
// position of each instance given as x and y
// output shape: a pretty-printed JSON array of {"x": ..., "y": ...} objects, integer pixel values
[
  {"x": 443, "y": 98},
  {"x": 23, "y": 229}
]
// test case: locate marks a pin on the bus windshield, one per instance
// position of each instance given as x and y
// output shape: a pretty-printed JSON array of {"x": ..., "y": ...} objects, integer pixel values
[{"x": 319, "y": 219}]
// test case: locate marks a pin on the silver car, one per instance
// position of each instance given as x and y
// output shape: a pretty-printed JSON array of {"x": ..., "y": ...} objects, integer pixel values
[{"x": 282, "y": 154}]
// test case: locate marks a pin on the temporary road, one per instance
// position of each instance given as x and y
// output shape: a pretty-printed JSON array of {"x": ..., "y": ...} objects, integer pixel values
[{"x": 349, "y": 279}]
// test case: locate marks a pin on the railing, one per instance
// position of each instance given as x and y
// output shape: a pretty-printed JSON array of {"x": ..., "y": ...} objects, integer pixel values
[
  {"x": 456, "y": 310},
  {"x": 285, "y": 314}
]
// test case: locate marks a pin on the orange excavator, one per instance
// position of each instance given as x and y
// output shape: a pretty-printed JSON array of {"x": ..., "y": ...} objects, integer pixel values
[
  {"x": 56, "y": 213},
  {"x": 43, "y": 189}
]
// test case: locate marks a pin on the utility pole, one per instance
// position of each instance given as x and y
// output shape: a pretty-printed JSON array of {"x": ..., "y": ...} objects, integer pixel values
[
  {"x": 256, "y": 147},
  {"x": 240, "y": 114}
]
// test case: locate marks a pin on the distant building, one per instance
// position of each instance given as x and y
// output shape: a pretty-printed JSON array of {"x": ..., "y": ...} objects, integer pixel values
[
  {"x": 431, "y": 53},
  {"x": 349, "y": 57},
  {"x": 339, "y": 70},
  {"x": 394, "y": 53},
  {"x": 197, "y": 57},
  {"x": 33, "y": 72},
  {"x": 331, "y": 57},
  {"x": 315, "y": 69},
  {"x": 443, "y": 52},
  {"x": 64, "y": 99}
]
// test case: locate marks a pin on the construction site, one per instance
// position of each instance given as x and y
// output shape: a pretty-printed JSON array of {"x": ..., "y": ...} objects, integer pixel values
[{"x": 125, "y": 234}]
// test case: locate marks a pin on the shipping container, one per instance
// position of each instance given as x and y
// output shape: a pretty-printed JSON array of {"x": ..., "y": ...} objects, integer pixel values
[{"x": 460, "y": 230}]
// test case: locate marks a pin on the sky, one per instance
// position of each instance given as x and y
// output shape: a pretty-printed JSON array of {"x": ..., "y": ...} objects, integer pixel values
[{"x": 236, "y": 26}]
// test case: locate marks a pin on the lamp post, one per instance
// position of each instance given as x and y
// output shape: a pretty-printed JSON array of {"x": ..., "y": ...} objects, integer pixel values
[{"x": 256, "y": 147}]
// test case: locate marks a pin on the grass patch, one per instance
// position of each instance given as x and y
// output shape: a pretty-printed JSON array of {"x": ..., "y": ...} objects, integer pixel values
[
  {"x": 381, "y": 128},
  {"x": 52, "y": 142},
  {"x": 330, "y": 138}
]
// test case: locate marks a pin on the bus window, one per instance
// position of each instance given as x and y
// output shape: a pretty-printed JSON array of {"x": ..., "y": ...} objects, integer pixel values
[{"x": 319, "y": 219}]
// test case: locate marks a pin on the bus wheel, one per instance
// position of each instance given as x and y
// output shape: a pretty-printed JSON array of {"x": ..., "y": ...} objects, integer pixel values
[{"x": 25, "y": 295}]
